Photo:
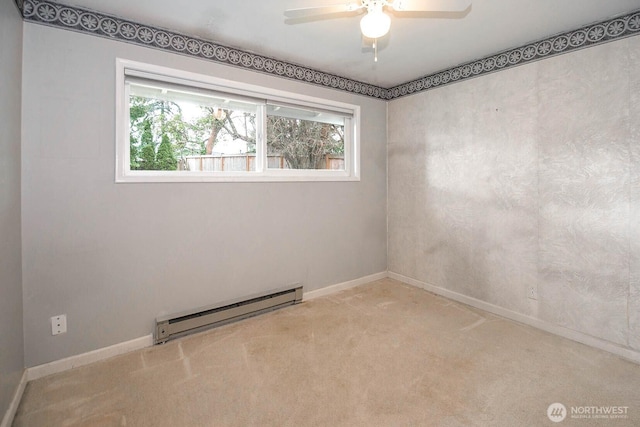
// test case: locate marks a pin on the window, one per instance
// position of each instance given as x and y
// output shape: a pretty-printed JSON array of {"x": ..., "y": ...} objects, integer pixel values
[{"x": 177, "y": 126}]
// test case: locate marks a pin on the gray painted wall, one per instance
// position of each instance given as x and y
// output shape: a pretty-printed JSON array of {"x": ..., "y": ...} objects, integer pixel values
[
  {"x": 527, "y": 176},
  {"x": 11, "y": 341},
  {"x": 115, "y": 256}
]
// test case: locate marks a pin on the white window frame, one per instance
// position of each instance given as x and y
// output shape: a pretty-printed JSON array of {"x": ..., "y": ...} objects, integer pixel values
[{"x": 124, "y": 174}]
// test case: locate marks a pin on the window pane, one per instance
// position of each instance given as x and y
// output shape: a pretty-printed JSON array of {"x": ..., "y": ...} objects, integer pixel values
[
  {"x": 178, "y": 126},
  {"x": 298, "y": 138},
  {"x": 174, "y": 129}
]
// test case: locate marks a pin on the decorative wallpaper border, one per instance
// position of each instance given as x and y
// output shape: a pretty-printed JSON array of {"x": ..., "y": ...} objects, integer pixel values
[
  {"x": 590, "y": 35},
  {"x": 82, "y": 20},
  {"x": 19, "y": 4},
  {"x": 86, "y": 21}
]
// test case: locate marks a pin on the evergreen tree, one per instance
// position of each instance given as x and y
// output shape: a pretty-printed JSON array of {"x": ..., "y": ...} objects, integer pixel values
[
  {"x": 147, "y": 158},
  {"x": 166, "y": 158},
  {"x": 147, "y": 148},
  {"x": 134, "y": 152}
]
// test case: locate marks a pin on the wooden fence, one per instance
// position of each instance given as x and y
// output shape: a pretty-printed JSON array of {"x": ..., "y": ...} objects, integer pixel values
[{"x": 244, "y": 162}]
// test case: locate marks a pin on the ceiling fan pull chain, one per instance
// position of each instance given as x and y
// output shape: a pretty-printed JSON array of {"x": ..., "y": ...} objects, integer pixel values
[{"x": 375, "y": 50}]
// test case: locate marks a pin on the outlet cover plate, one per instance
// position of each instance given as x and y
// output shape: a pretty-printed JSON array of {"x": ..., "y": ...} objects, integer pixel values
[{"x": 59, "y": 324}]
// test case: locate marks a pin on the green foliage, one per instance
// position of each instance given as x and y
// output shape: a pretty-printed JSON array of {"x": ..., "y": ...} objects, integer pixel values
[
  {"x": 166, "y": 158},
  {"x": 137, "y": 110},
  {"x": 160, "y": 135},
  {"x": 146, "y": 148},
  {"x": 134, "y": 153},
  {"x": 147, "y": 136},
  {"x": 147, "y": 158}
]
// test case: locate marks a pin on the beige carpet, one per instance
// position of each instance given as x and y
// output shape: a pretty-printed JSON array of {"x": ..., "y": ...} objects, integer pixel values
[{"x": 383, "y": 354}]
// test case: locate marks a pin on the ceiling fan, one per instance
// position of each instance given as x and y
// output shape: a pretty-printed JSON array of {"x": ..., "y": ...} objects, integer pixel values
[{"x": 376, "y": 22}]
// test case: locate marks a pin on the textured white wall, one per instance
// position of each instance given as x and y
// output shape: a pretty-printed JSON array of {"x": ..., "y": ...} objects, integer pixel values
[
  {"x": 526, "y": 176},
  {"x": 113, "y": 257},
  {"x": 11, "y": 341}
]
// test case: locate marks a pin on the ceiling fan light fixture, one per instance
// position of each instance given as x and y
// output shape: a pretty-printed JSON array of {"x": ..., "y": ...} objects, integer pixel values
[{"x": 375, "y": 24}]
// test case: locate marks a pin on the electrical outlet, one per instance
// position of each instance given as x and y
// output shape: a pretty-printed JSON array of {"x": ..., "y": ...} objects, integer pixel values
[
  {"x": 532, "y": 292},
  {"x": 59, "y": 324}
]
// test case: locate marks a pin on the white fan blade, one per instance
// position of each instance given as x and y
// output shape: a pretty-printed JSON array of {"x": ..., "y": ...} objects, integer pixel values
[
  {"x": 431, "y": 5},
  {"x": 321, "y": 10}
]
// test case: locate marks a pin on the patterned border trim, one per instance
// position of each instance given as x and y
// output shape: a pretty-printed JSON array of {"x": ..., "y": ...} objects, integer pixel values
[
  {"x": 82, "y": 20},
  {"x": 590, "y": 35},
  {"x": 73, "y": 18}
]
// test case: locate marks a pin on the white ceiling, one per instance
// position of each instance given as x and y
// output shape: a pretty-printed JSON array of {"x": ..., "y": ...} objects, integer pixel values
[{"x": 415, "y": 46}]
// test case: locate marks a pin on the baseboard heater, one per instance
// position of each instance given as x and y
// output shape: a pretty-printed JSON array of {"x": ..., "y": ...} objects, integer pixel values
[{"x": 173, "y": 326}]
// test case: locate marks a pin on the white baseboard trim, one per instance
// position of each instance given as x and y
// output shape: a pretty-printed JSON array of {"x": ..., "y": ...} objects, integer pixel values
[
  {"x": 67, "y": 363},
  {"x": 10, "y": 414},
  {"x": 561, "y": 331},
  {"x": 342, "y": 286}
]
